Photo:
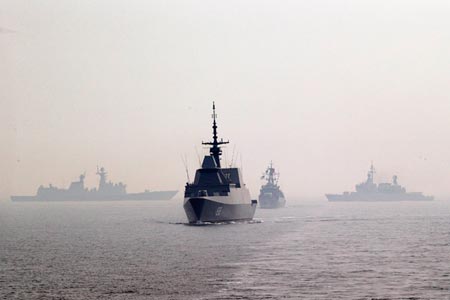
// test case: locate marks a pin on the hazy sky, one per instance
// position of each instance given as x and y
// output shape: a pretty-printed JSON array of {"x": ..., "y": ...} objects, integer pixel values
[{"x": 319, "y": 87}]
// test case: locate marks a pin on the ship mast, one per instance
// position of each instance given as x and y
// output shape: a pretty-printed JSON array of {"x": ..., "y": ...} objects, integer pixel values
[
  {"x": 370, "y": 173},
  {"x": 271, "y": 172},
  {"x": 270, "y": 175},
  {"x": 102, "y": 173},
  {"x": 215, "y": 150}
]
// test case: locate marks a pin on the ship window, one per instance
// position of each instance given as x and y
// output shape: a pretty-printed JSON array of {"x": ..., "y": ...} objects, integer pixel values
[{"x": 202, "y": 193}]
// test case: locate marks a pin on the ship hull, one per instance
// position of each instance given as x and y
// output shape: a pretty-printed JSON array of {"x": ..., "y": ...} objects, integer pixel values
[
  {"x": 377, "y": 197},
  {"x": 271, "y": 202},
  {"x": 206, "y": 210},
  {"x": 63, "y": 196}
]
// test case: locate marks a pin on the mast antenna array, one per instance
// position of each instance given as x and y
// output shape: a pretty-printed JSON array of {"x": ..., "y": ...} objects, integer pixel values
[{"x": 215, "y": 150}]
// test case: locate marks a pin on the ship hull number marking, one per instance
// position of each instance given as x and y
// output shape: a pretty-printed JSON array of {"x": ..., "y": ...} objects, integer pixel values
[{"x": 218, "y": 211}]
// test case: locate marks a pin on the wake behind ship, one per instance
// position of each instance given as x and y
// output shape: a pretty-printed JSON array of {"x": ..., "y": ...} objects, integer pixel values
[
  {"x": 106, "y": 191},
  {"x": 370, "y": 191},
  {"x": 217, "y": 194},
  {"x": 270, "y": 195}
]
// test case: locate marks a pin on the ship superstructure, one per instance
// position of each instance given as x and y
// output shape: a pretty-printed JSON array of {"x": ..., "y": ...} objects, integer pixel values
[
  {"x": 270, "y": 194},
  {"x": 107, "y": 190},
  {"x": 217, "y": 194},
  {"x": 370, "y": 191}
]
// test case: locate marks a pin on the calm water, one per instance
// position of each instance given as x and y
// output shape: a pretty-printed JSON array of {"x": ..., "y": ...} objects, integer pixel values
[{"x": 309, "y": 250}]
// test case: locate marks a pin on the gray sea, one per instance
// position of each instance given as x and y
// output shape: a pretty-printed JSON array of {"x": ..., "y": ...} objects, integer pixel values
[{"x": 312, "y": 249}]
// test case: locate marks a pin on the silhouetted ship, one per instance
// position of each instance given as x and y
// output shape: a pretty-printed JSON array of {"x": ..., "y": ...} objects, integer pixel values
[
  {"x": 270, "y": 195},
  {"x": 217, "y": 194},
  {"x": 370, "y": 191},
  {"x": 106, "y": 191}
]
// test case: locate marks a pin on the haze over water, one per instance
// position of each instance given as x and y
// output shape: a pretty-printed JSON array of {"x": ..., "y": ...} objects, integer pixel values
[
  {"x": 321, "y": 88},
  {"x": 308, "y": 250}
]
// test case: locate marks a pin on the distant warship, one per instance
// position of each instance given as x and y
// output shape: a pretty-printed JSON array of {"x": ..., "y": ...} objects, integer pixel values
[
  {"x": 370, "y": 191},
  {"x": 217, "y": 194},
  {"x": 270, "y": 195},
  {"x": 106, "y": 191}
]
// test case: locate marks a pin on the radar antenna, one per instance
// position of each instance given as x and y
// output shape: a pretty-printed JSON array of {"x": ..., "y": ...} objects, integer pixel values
[
  {"x": 232, "y": 157},
  {"x": 215, "y": 150},
  {"x": 184, "y": 159}
]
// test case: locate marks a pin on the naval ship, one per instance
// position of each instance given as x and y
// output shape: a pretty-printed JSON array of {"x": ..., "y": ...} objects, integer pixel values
[
  {"x": 270, "y": 195},
  {"x": 370, "y": 191},
  {"x": 107, "y": 190},
  {"x": 217, "y": 194}
]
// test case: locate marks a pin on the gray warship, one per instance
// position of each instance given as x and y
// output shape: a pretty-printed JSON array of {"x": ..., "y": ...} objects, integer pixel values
[
  {"x": 107, "y": 190},
  {"x": 270, "y": 195},
  {"x": 217, "y": 194},
  {"x": 370, "y": 191}
]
